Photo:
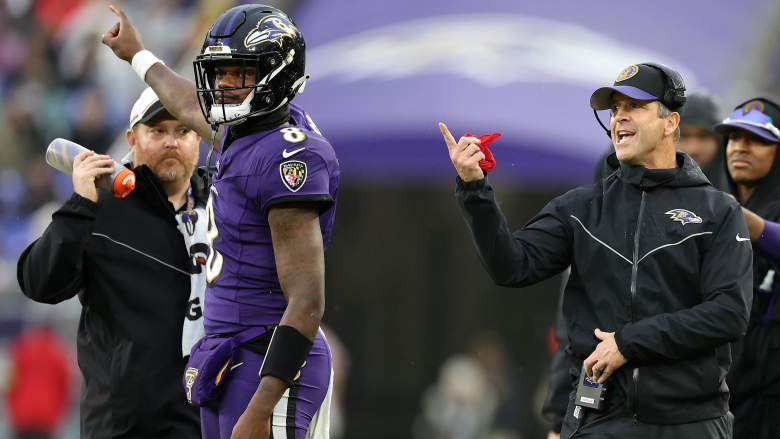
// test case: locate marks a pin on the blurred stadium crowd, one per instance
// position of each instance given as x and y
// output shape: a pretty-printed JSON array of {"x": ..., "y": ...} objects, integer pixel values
[{"x": 57, "y": 80}]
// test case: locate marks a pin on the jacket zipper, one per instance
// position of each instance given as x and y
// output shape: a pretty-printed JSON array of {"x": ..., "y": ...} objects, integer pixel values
[{"x": 634, "y": 269}]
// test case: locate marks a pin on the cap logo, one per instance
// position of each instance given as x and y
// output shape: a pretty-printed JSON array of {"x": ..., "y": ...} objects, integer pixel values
[
  {"x": 753, "y": 105},
  {"x": 627, "y": 73}
]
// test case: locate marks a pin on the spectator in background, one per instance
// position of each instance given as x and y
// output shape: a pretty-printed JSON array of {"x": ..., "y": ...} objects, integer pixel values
[
  {"x": 90, "y": 127},
  {"x": 476, "y": 396},
  {"x": 699, "y": 140},
  {"x": 513, "y": 408},
  {"x": 754, "y": 179},
  {"x": 564, "y": 371},
  {"x": 460, "y": 405},
  {"x": 42, "y": 378},
  {"x": 21, "y": 134}
]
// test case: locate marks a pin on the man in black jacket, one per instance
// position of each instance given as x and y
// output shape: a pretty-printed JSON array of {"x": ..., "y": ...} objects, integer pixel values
[
  {"x": 699, "y": 140},
  {"x": 660, "y": 279},
  {"x": 754, "y": 179},
  {"x": 128, "y": 262}
]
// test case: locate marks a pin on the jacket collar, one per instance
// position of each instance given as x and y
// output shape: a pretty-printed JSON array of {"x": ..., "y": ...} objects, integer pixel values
[
  {"x": 687, "y": 173},
  {"x": 150, "y": 190}
]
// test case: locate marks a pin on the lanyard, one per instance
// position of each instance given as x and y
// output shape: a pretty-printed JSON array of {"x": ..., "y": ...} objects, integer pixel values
[{"x": 190, "y": 216}]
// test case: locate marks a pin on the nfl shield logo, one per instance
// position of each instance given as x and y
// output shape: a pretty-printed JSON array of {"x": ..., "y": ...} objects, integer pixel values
[{"x": 293, "y": 174}]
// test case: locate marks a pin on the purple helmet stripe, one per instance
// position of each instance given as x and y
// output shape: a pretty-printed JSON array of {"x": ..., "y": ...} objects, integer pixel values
[
  {"x": 215, "y": 27},
  {"x": 233, "y": 18}
]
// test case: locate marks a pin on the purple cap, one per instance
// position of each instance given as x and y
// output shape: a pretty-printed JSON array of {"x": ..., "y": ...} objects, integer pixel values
[{"x": 756, "y": 116}]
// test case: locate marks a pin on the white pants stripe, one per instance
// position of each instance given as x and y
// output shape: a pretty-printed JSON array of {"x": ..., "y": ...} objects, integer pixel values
[{"x": 319, "y": 428}]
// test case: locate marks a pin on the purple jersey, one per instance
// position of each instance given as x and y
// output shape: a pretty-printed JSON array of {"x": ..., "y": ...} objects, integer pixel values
[{"x": 254, "y": 173}]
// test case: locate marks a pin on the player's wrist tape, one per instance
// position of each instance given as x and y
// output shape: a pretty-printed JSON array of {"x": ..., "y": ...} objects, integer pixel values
[
  {"x": 143, "y": 61},
  {"x": 287, "y": 351}
]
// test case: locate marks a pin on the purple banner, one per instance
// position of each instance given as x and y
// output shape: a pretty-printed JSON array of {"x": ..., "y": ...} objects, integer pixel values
[{"x": 384, "y": 73}]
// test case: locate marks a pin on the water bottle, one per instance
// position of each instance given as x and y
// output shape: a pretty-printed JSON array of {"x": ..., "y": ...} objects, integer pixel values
[{"x": 60, "y": 155}]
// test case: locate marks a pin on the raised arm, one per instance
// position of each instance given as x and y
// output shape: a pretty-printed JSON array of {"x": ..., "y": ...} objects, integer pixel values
[
  {"x": 537, "y": 251},
  {"x": 177, "y": 93}
]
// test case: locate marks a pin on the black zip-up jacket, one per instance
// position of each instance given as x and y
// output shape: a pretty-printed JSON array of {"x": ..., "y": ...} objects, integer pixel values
[
  {"x": 128, "y": 263},
  {"x": 656, "y": 257}
]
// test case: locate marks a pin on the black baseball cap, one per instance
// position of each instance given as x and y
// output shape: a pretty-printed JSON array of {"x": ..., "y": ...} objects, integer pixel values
[
  {"x": 638, "y": 81},
  {"x": 756, "y": 115}
]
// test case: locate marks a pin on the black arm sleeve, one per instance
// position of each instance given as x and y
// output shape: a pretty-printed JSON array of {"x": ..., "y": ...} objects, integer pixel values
[
  {"x": 537, "y": 251},
  {"x": 50, "y": 269},
  {"x": 722, "y": 316}
]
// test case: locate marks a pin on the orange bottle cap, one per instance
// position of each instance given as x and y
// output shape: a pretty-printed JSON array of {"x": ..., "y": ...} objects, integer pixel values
[{"x": 124, "y": 183}]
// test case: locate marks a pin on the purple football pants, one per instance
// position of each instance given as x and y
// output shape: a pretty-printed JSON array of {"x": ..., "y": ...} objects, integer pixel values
[{"x": 305, "y": 405}]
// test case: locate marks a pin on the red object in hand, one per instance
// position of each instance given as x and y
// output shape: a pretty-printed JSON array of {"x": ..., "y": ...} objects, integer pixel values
[{"x": 489, "y": 163}]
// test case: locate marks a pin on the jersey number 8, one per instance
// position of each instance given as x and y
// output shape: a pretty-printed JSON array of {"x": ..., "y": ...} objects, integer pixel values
[
  {"x": 293, "y": 135},
  {"x": 214, "y": 261}
]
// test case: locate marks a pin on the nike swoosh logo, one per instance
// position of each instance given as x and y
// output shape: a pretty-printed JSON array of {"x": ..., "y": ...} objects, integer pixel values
[
  {"x": 239, "y": 364},
  {"x": 287, "y": 155},
  {"x": 742, "y": 239}
]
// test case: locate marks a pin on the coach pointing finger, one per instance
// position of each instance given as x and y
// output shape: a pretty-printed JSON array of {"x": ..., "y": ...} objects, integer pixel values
[
  {"x": 465, "y": 155},
  {"x": 654, "y": 296}
]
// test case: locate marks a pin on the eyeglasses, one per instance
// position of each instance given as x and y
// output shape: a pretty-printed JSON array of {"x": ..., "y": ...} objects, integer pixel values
[{"x": 753, "y": 118}]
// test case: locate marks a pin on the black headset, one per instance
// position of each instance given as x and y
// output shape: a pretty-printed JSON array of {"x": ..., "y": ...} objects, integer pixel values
[{"x": 674, "y": 96}]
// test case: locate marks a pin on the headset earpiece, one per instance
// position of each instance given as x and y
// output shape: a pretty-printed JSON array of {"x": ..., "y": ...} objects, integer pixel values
[{"x": 674, "y": 95}]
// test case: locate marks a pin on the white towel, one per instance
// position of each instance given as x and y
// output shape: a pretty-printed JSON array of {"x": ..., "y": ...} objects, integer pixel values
[{"x": 197, "y": 245}]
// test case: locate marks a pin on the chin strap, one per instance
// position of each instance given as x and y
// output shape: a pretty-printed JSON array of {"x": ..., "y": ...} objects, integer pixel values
[{"x": 211, "y": 170}]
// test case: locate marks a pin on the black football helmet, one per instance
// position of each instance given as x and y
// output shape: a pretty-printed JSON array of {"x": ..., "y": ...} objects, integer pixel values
[{"x": 257, "y": 37}]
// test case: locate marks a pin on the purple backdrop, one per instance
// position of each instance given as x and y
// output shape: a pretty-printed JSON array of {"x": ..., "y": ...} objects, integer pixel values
[{"x": 383, "y": 74}]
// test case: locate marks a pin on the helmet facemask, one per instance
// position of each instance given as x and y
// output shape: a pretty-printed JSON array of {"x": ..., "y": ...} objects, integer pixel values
[
  {"x": 246, "y": 38},
  {"x": 259, "y": 100}
]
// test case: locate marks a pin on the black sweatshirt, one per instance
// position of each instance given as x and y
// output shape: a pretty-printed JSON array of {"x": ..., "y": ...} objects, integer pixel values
[
  {"x": 128, "y": 263},
  {"x": 656, "y": 258},
  {"x": 754, "y": 379}
]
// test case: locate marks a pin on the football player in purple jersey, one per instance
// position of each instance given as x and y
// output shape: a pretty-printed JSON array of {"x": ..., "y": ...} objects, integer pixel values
[{"x": 270, "y": 214}]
